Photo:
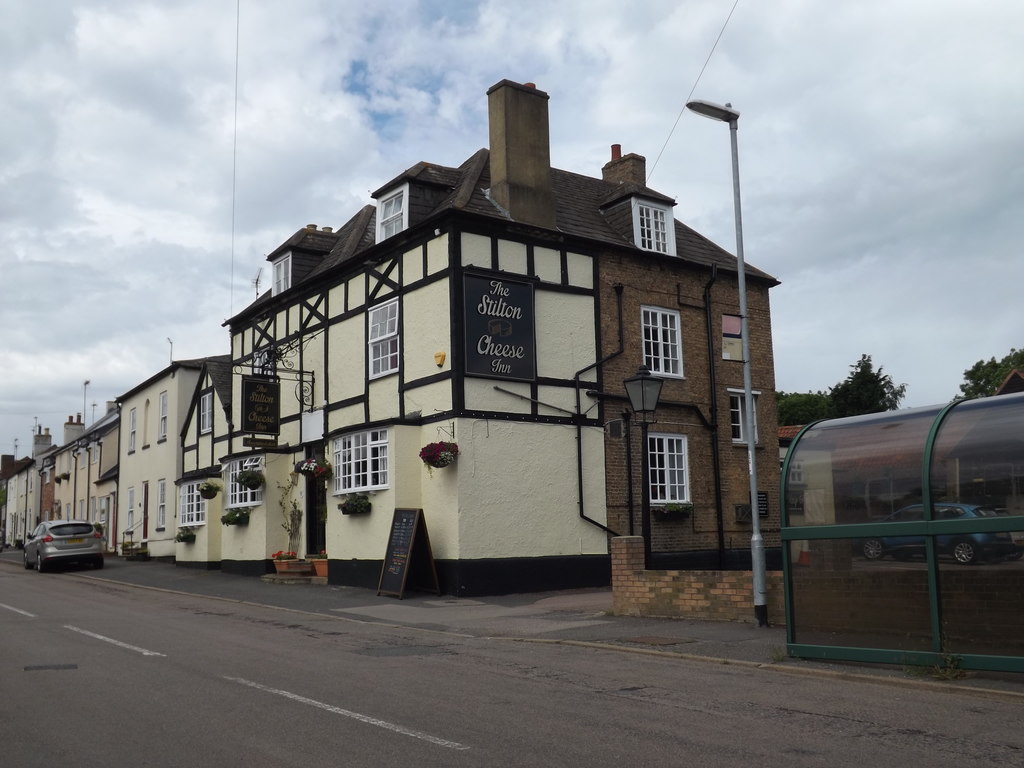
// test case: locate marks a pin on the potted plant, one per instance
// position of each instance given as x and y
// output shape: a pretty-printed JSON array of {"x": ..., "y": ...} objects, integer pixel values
[
  {"x": 356, "y": 504},
  {"x": 185, "y": 536},
  {"x": 679, "y": 510},
  {"x": 250, "y": 478},
  {"x": 287, "y": 562},
  {"x": 316, "y": 468},
  {"x": 319, "y": 562},
  {"x": 208, "y": 489},
  {"x": 98, "y": 527},
  {"x": 291, "y": 513},
  {"x": 439, "y": 455},
  {"x": 235, "y": 517}
]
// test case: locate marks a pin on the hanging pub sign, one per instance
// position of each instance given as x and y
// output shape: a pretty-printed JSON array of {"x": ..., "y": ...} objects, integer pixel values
[
  {"x": 499, "y": 328},
  {"x": 261, "y": 405}
]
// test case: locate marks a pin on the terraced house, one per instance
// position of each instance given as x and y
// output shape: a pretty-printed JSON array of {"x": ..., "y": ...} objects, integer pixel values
[{"x": 458, "y": 347}]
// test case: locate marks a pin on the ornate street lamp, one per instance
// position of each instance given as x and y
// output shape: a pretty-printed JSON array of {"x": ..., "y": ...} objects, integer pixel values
[{"x": 644, "y": 391}]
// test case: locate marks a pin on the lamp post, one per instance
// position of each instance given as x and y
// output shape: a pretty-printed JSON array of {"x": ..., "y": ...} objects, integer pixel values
[
  {"x": 644, "y": 391},
  {"x": 731, "y": 116}
]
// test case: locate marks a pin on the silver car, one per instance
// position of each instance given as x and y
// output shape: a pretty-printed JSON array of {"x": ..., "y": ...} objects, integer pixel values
[{"x": 64, "y": 541}]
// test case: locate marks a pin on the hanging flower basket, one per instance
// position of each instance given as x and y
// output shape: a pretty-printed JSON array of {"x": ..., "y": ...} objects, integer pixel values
[
  {"x": 439, "y": 455},
  {"x": 208, "y": 489},
  {"x": 250, "y": 478},
  {"x": 318, "y": 469}
]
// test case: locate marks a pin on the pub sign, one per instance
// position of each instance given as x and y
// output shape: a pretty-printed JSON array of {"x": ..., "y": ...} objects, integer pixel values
[
  {"x": 499, "y": 327},
  {"x": 261, "y": 405}
]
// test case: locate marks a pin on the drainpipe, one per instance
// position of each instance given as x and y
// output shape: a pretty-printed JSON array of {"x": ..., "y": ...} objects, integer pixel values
[
  {"x": 716, "y": 459},
  {"x": 579, "y": 418}
]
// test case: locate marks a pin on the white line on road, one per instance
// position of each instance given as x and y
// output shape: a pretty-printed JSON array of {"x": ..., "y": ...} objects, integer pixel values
[
  {"x": 354, "y": 715},
  {"x": 110, "y": 640},
  {"x": 18, "y": 610}
]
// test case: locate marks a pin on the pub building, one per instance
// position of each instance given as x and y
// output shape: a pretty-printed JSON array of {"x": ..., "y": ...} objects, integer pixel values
[{"x": 458, "y": 348}]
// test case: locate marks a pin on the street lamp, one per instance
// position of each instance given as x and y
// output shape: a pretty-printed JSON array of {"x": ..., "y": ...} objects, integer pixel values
[
  {"x": 644, "y": 391},
  {"x": 731, "y": 116}
]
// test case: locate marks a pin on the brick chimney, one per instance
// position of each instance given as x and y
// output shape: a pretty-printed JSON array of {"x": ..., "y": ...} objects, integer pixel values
[
  {"x": 73, "y": 429},
  {"x": 628, "y": 169},
  {"x": 520, "y": 152},
  {"x": 41, "y": 441}
]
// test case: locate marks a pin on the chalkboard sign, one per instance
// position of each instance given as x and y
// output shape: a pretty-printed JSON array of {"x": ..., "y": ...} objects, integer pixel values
[{"x": 408, "y": 561}]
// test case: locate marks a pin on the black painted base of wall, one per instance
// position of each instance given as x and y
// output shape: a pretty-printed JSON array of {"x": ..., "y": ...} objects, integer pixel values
[
  {"x": 476, "y": 578},
  {"x": 199, "y": 565},
  {"x": 247, "y": 567},
  {"x": 712, "y": 560}
]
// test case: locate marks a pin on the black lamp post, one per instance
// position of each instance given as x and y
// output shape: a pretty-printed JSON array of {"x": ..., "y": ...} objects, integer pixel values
[{"x": 644, "y": 391}]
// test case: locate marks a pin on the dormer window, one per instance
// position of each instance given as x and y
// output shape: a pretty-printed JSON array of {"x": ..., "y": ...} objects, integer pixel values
[
  {"x": 653, "y": 227},
  {"x": 392, "y": 213},
  {"x": 283, "y": 274}
]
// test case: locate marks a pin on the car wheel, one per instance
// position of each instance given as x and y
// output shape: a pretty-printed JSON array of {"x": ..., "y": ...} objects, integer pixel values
[
  {"x": 873, "y": 549},
  {"x": 97, "y": 563},
  {"x": 28, "y": 566},
  {"x": 1015, "y": 555},
  {"x": 39, "y": 562},
  {"x": 965, "y": 552}
]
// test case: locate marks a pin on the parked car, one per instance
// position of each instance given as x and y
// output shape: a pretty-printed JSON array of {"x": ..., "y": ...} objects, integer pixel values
[
  {"x": 965, "y": 548},
  {"x": 63, "y": 541}
]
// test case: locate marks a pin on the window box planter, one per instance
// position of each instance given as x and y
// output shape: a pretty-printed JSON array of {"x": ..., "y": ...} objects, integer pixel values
[
  {"x": 673, "y": 512},
  {"x": 185, "y": 537},
  {"x": 358, "y": 504},
  {"x": 235, "y": 517}
]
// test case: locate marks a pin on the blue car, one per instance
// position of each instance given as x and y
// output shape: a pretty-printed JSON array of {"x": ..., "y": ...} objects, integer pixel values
[{"x": 965, "y": 548}]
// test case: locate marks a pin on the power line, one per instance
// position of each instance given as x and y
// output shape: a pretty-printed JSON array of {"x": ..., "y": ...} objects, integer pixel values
[{"x": 690, "y": 94}]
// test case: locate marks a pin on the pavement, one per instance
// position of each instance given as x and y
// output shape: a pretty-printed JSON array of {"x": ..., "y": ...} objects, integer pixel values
[{"x": 579, "y": 617}]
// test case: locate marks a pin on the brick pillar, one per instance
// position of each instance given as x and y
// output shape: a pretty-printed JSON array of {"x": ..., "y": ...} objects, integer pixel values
[{"x": 627, "y": 574}]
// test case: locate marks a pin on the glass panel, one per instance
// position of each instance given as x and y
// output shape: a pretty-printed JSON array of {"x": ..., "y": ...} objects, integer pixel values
[
  {"x": 983, "y": 604},
  {"x": 859, "y": 470},
  {"x": 979, "y": 454},
  {"x": 841, "y": 598}
]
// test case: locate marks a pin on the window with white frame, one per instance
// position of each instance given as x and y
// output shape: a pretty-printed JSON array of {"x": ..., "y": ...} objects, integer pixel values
[
  {"x": 669, "y": 474},
  {"x": 383, "y": 339},
  {"x": 130, "y": 517},
  {"x": 282, "y": 274},
  {"x": 161, "y": 431},
  {"x": 205, "y": 412},
  {"x": 161, "y": 503},
  {"x": 653, "y": 227},
  {"x": 191, "y": 506},
  {"x": 391, "y": 214},
  {"x": 238, "y": 494},
  {"x": 738, "y": 416},
  {"x": 132, "y": 423},
  {"x": 361, "y": 461},
  {"x": 663, "y": 354}
]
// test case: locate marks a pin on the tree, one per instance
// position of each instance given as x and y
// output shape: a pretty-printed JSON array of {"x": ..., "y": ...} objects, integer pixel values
[
  {"x": 802, "y": 407},
  {"x": 982, "y": 378},
  {"x": 865, "y": 390}
]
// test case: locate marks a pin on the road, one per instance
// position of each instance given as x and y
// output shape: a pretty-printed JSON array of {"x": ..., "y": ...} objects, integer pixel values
[{"x": 101, "y": 674}]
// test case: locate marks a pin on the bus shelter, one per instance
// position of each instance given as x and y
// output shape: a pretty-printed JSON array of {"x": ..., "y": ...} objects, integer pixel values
[{"x": 903, "y": 534}]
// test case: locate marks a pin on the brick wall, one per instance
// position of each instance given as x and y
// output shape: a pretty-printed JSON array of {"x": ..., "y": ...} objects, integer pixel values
[{"x": 708, "y": 595}]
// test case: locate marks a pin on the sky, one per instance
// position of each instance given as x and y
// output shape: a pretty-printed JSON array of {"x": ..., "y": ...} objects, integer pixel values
[{"x": 152, "y": 152}]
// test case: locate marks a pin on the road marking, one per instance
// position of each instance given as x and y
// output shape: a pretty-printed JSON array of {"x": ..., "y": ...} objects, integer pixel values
[
  {"x": 18, "y": 610},
  {"x": 354, "y": 715},
  {"x": 110, "y": 640}
]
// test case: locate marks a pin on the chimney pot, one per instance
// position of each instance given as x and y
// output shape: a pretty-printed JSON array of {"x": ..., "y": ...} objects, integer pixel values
[
  {"x": 530, "y": 85},
  {"x": 616, "y": 151},
  {"x": 328, "y": 230},
  {"x": 311, "y": 226}
]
